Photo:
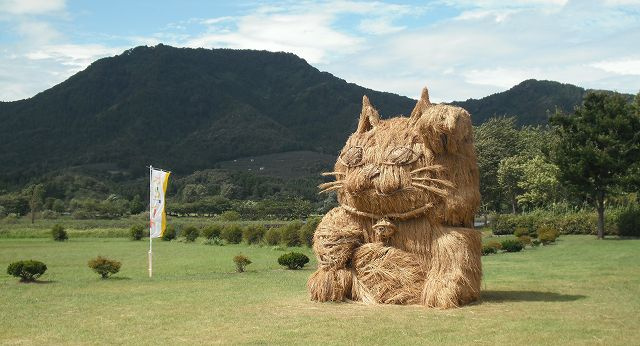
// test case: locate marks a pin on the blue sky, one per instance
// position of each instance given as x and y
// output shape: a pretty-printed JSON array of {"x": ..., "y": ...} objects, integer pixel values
[{"x": 460, "y": 49}]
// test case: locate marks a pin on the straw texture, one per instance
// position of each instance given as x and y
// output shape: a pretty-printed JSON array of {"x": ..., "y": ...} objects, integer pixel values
[{"x": 408, "y": 191}]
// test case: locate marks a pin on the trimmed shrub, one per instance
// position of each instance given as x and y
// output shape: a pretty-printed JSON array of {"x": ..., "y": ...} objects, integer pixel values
[
  {"x": 547, "y": 234},
  {"x": 629, "y": 222},
  {"x": 104, "y": 266},
  {"x": 232, "y": 234},
  {"x": 211, "y": 231},
  {"x": 495, "y": 244},
  {"x": 491, "y": 247},
  {"x": 230, "y": 215},
  {"x": 272, "y": 236},
  {"x": 28, "y": 270},
  {"x": 512, "y": 245},
  {"x": 190, "y": 233},
  {"x": 253, "y": 234},
  {"x": 58, "y": 233},
  {"x": 574, "y": 223},
  {"x": 521, "y": 231},
  {"x": 169, "y": 233},
  {"x": 307, "y": 230},
  {"x": 241, "y": 262},
  {"x": 504, "y": 224},
  {"x": 293, "y": 260},
  {"x": 525, "y": 240},
  {"x": 290, "y": 234},
  {"x": 136, "y": 232},
  {"x": 487, "y": 250}
]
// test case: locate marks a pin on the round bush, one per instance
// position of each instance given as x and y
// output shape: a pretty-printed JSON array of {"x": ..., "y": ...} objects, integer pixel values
[
  {"x": 211, "y": 231},
  {"x": 629, "y": 222},
  {"x": 525, "y": 240},
  {"x": 190, "y": 233},
  {"x": 253, "y": 234},
  {"x": 58, "y": 233},
  {"x": 28, "y": 270},
  {"x": 293, "y": 260},
  {"x": 232, "y": 234},
  {"x": 136, "y": 232},
  {"x": 104, "y": 266},
  {"x": 272, "y": 237},
  {"x": 169, "y": 233},
  {"x": 230, "y": 215},
  {"x": 307, "y": 230},
  {"x": 241, "y": 262},
  {"x": 290, "y": 235},
  {"x": 547, "y": 234},
  {"x": 487, "y": 250},
  {"x": 512, "y": 245}
]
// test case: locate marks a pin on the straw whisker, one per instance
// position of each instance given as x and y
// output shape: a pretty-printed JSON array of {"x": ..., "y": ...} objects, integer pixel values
[
  {"x": 326, "y": 174},
  {"x": 446, "y": 183},
  {"x": 433, "y": 189},
  {"x": 332, "y": 188},
  {"x": 434, "y": 168},
  {"x": 331, "y": 183}
]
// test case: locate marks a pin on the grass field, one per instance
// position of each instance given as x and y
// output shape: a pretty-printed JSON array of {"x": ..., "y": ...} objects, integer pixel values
[{"x": 579, "y": 291}]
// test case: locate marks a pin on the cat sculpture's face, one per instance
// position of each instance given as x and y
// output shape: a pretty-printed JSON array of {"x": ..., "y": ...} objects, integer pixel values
[{"x": 387, "y": 166}]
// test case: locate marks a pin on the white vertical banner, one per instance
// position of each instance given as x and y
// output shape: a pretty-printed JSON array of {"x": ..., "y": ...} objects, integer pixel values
[{"x": 157, "y": 216}]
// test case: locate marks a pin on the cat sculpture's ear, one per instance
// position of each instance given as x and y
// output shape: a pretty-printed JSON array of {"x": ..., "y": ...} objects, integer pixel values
[
  {"x": 369, "y": 116},
  {"x": 444, "y": 128}
]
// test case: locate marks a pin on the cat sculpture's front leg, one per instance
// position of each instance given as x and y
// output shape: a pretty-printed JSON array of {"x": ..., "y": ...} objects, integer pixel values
[
  {"x": 456, "y": 269},
  {"x": 337, "y": 235}
]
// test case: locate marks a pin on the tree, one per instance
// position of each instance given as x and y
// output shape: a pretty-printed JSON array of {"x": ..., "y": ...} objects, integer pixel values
[
  {"x": 509, "y": 176},
  {"x": 136, "y": 206},
  {"x": 495, "y": 140},
  {"x": 35, "y": 194},
  {"x": 539, "y": 182},
  {"x": 599, "y": 147}
]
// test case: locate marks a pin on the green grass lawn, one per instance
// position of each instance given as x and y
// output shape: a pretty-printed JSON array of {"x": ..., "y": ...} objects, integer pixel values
[{"x": 579, "y": 291}]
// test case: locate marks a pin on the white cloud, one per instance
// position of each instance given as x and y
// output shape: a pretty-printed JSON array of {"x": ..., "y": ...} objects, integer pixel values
[
  {"x": 28, "y": 7},
  {"x": 622, "y": 67}
]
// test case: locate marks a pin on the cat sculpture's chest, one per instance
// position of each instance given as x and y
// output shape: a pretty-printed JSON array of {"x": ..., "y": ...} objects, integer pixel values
[{"x": 413, "y": 235}]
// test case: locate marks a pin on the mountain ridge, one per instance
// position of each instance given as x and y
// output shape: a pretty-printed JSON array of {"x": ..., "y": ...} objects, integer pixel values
[{"x": 189, "y": 109}]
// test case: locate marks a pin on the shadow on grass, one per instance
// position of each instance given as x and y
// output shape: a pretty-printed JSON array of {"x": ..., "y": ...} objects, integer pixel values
[
  {"x": 527, "y": 296},
  {"x": 38, "y": 282},
  {"x": 118, "y": 278}
]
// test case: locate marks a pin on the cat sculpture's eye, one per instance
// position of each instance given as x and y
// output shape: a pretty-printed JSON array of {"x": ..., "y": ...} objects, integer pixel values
[
  {"x": 401, "y": 156},
  {"x": 352, "y": 157}
]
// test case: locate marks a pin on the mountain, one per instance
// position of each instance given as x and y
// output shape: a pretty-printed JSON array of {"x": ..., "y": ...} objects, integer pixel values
[
  {"x": 530, "y": 101},
  {"x": 184, "y": 109},
  {"x": 190, "y": 109}
]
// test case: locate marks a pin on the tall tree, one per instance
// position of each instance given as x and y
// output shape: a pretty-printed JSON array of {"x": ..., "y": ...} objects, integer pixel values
[
  {"x": 599, "y": 147},
  {"x": 495, "y": 140},
  {"x": 35, "y": 194}
]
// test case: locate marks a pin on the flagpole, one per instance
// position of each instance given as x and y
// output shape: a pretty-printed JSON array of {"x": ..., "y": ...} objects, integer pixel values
[{"x": 150, "y": 237}]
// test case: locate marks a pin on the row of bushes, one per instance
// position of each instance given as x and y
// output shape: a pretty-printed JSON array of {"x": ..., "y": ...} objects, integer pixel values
[
  {"x": 292, "y": 234},
  {"x": 623, "y": 222},
  {"x": 30, "y": 270},
  {"x": 545, "y": 236}
]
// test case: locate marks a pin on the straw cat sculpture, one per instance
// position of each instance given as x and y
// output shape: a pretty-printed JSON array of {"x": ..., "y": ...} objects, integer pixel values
[{"x": 408, "y": 191}]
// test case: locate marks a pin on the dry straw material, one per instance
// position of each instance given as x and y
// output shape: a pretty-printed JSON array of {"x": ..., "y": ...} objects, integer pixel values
[{"x": 403, "y": 234}]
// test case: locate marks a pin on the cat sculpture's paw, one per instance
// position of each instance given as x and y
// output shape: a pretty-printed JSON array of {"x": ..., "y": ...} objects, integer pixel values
[
  {"x": 329, "y": 284},
  {"x": 446, "y": 293}
]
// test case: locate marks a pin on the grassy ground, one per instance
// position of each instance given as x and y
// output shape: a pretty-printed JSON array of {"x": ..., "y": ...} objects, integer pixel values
[{"x": 580, "y": 291}]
